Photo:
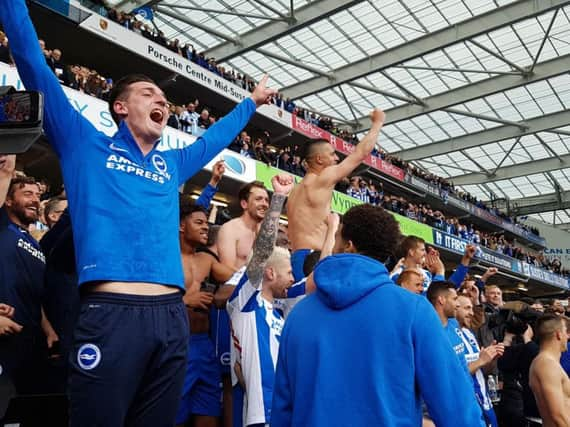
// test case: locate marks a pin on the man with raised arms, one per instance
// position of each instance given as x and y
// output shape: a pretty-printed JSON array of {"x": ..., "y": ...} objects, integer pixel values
[
  {"x": 547, "y": 379},
  {"x": 130, "y": 343},
  {"x": 310, "y": 201}
]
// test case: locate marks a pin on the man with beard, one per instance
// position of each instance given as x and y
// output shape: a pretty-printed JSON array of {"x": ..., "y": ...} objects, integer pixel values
[
  {"x": 22, "y": 267},
  {"x": 123, "y": 202},
  {"x": 236, "y": 237},
  {"x": 477, "y": 358},
  {"x": 201, "y": 391},
  {"x": 235, "y": 242}
]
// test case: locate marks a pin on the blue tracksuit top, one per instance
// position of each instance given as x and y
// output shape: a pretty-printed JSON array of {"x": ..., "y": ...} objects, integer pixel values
[
  {"x": 362, "y": 351},
  {"x": 123, "y": 205}
]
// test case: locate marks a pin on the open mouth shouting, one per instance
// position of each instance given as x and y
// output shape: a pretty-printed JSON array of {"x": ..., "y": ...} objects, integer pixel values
[{"x": 157, "y": 115}]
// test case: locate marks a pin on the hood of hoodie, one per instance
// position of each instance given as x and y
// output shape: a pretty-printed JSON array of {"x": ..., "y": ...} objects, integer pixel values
[{"x": 344, "y": 279}]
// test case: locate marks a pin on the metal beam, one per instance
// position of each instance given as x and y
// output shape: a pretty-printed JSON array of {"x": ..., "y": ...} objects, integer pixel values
[
  {"x": 272, "y": 9},
  {"x": 514, "y": 171},
  {"x": 542, "y": 203},
  {"x": 498, "y": 56},
  {"x": 538, "y": 124},
  {"x": 222, "y": 12},
  {"x": 481, "y": 24},
  {"x": 292, "y": 61},
  {"x": 480, "y": 89},
  {"x": 183, "y": 18},
  {"x": 383, "y": 92},
  {"x": 264, "y": 34}
]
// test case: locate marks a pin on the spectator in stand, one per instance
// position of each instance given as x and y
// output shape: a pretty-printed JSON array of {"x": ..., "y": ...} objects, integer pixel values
[
  {"x": 204, "y": 119},
  {"x": 246, "y": 151},
  {"x": 173, "y": 120},
  {"x": 354, "y": 189},
  {"x": 56, "y": 64},
  {"x": 297, "y": 166},
  {"x": 189, "y": 118},
  {"x": 289, "y": 105},
  {"x": 284, "y": 160},
  {"x": 53, "y": 210}
]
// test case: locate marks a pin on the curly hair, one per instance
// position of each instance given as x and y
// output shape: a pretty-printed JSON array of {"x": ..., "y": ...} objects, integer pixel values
[
  {"x": 188, "y": 207},
  {"x": 373, "y": 231}
]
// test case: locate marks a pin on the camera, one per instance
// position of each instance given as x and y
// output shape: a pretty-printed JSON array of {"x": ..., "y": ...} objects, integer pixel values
[{"x": 21, "y": 117}]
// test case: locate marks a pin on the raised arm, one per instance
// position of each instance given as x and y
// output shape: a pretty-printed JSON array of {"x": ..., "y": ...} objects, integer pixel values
[
  {"x": 62, "y": 123},
  {"x": 194, "y": 157},
  {"x": 265, "y": 241},
  {"x": 7, "y": 166},
  {"x": 210, "y": 190},
  {"x": 334, "y": 174}
]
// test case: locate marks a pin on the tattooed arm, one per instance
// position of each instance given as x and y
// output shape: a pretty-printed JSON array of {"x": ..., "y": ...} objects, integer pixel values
[{"x": 265, "y": 241}]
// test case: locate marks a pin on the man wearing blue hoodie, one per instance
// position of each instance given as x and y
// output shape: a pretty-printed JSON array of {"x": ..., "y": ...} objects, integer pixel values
[
  {"x": 130, "y": 343},
  {"x": 373, "y": 349}
]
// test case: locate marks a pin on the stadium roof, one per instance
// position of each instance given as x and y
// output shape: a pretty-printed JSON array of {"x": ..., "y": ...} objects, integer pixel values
[{"x": 477, "y": 91}]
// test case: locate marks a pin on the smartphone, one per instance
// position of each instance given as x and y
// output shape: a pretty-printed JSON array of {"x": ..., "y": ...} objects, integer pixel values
[
  {"x": 208, "y": 287},
  {"x": 20, "y": 109}
]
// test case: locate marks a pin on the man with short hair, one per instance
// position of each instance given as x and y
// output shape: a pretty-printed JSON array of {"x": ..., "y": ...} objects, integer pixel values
[
  {"x": 494, "y": 297},
  {"x": 53, "y": 210},
  {"x": 477, "y": 358},
  {"x": 310, "y": 202},
  {"x": 401, "y": 355},
  {"x": 123, "y": 201},
  {"x": 256, "y": 323},
  {"x": 443, "y": 296},
  {"x": 414, "y": 255},
  {"x": 236, "y": 237},
  {"x": 22, "y": 267},
  {"x": 189, "y": 118},
  {"x": 234, "y": 244},
  {"x": 412, "y": 280},
  {"x": 548, "y": 381},
  {"x": 201, "y": 390}
]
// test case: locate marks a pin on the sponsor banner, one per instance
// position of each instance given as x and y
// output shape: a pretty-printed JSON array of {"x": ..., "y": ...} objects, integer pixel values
[
  {"x": 344, "y": 147},
  {"x": 545, "y": 276},
  {"x": 238, "y": 167},
  {"x": 409, "y": 227},
  {"x": 153, "y": 52},
  {"x": 455, "y": 244}
]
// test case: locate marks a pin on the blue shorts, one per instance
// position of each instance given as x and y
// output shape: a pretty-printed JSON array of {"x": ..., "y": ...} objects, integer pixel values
[
  {"x": 127, "y": 360},
  {"x": 221, "y": 337},
  {"x": 237, "y": 405},
  {"x": 298, "y": 261},
  {"x": 202, "y": 391}
]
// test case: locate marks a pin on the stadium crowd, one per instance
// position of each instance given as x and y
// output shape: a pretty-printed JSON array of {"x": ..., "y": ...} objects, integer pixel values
[
  {"x": 188, "y": 119},
  {"x": 143, "y": 313}
]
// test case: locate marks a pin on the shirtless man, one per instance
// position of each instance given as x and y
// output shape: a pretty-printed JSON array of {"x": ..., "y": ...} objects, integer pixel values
[
  {"x": 548, "y": 381},
  {"x": 236, "y": 237},
  {"x": 201, "y": 392},
  {"x": 310, "y": 201}
]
